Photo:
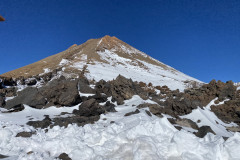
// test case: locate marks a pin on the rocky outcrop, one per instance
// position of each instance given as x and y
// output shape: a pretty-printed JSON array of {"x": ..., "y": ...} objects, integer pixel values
[
  {"x": 59, "y": 92},
  {"x": 31, "y": 82},
  {"x": 229, "y": 111},
  {"x": 7, "y": 81},
  {"x": 89, "y": 108},
  {"x": 83, "y": 86},
  {"x": 177, "y": 103},
  {"x": 120, "y": 89},
  {"x": 202, "y": 131},
  {"x": 30, "y": 96},
  {"x": 64, "y": 156},
  {"x": 9, "y": 92},
  {"x": 88, "y": 112}
]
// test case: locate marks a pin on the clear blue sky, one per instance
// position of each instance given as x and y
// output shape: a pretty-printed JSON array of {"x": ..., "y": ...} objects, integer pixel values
[{"x": 198, "y": 37}]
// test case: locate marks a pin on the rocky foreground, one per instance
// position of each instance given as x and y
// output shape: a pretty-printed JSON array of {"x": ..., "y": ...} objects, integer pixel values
[
  {"x": 94, "y": 99},
  {"x": 45, "y": 91}
]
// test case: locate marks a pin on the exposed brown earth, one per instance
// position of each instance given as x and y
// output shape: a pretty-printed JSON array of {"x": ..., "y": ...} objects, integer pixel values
[{"x": 90, "y": 49}]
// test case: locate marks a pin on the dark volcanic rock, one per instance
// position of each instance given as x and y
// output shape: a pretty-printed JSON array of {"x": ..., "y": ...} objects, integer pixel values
[
  {"x": 7, "y": 81},
  {"x": 21, "y": 80},
  {"x": 83, "y": 86},
  {"x": 89, "y": 108},
  {"x": 2, "y": 101},
  {"x": 109, "y": 107},
  {"x": 46, "y": 122},
  {"x": 61, "y": 92},
  {"x": 3, "y": 156},
  {"x": 229, "y": 111},
  {"x": 25, "y": 134},
  {"x": 120, "y": 89},
  {"x": 31, "y": 82},
  {"x": 29, "y": 96},
  {"x": 47, "y": 76},
  {"x": 187, "y": 123},
  {"x": 64, "y": 156},
  {"x": 148, "y": 113},
  {"x": 99, "y": 97},
  {"x": 227, "y": 91},
  {"x": 79, "y": 120},
  {"x": 203, "y": 131},
  {"x": 8, "y": 92},
  {"x": 177, "y": 103},
  {"x": 1, "y": 84},
  {"x": 17, "y": 108},
  {"x": 131, "y": 113}
]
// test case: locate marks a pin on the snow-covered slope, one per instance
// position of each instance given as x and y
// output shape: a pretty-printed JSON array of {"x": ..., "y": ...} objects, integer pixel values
[
  {"x": 106, "y": 58},
  {"x": 114, "y": 136}
]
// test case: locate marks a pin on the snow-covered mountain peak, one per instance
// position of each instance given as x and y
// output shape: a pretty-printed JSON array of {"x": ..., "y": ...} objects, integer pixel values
[{"x": 106, "y": 58}]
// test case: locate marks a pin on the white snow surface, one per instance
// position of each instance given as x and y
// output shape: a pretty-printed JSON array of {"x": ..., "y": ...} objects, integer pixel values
[
  {"x": 136, "y": 69},
  {"x": 135, "y": 137},
  {"x": 208, "y": 118}
]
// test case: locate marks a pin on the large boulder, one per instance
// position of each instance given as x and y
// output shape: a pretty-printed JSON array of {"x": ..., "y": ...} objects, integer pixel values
[
  {"x": 202, "y": 131},
  {"x": 83, "y": 86},
  {"x": 90, "y": 108},
  {"x": 30, "y": 96},
  {"x": 61, "y": 92},
  {"x": 64, "y": 156}
]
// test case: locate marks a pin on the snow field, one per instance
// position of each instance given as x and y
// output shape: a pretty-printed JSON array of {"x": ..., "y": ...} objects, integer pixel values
[{"x": 136, "y": 137}]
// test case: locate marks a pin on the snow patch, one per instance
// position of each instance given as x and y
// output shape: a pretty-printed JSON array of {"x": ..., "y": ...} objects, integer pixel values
[
  {"x": 46, "y": 70},
  {"x": 63, "y": 62}
]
